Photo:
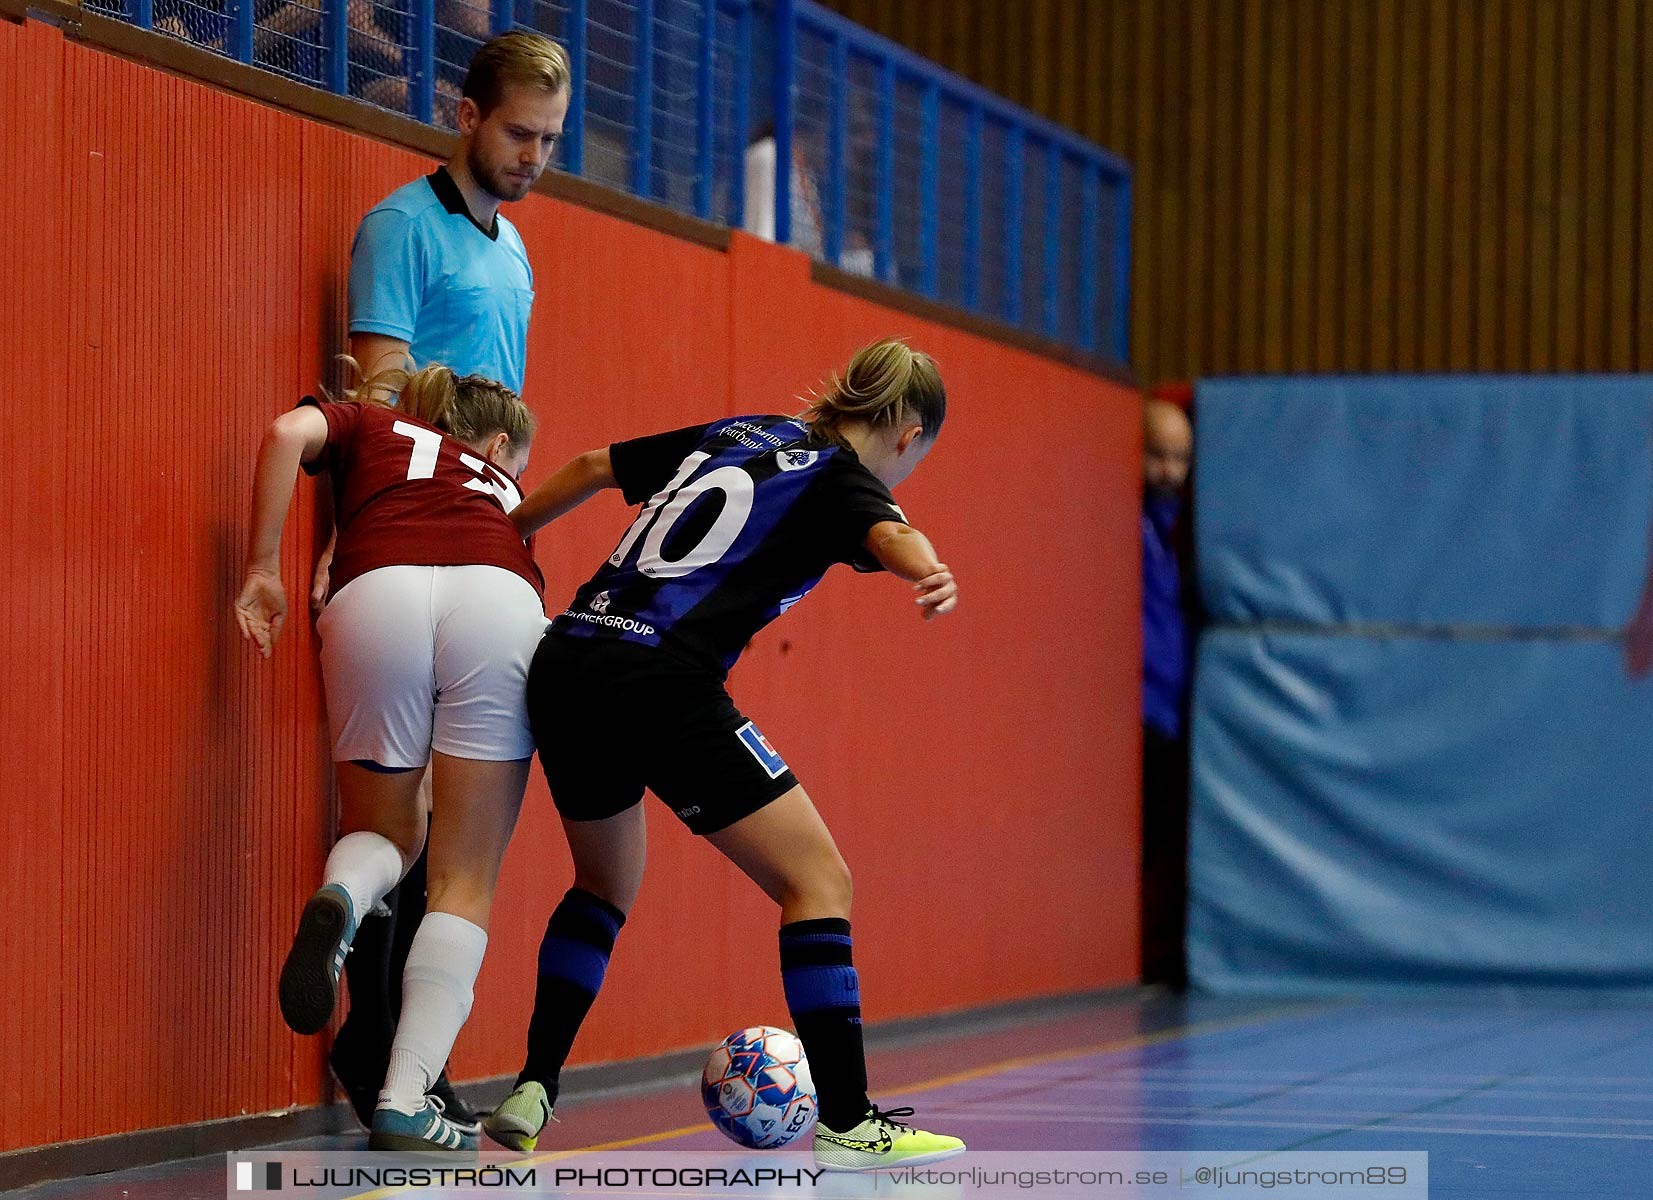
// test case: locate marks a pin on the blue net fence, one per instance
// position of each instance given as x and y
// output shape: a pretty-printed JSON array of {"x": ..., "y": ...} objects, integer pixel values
[{"x": 777, "y": 116}]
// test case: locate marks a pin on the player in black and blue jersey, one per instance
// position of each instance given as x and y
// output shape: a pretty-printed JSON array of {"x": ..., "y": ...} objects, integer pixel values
[{"x": 740, "y": 519}]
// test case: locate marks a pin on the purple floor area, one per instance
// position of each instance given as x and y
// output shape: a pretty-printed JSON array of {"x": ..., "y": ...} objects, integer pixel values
[{"x": 1546, "y": 1099}]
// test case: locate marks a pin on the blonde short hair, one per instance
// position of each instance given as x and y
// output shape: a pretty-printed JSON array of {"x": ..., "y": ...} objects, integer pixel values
[{"x": 516, "y": 56}]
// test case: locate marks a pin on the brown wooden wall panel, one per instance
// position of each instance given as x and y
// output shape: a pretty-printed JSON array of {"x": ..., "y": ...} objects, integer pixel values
[{"x": 1349, "y": 185}]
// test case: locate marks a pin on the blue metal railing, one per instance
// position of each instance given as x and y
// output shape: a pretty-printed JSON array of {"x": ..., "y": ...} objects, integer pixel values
[
  {"x": 972, "y": 200},
  {"x": 883, "y": 164}
]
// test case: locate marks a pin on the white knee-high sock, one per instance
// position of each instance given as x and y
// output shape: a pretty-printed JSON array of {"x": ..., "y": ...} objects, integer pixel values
[
  {"x": 436, "y": 998},
  {"x": 367, "y": 865}
]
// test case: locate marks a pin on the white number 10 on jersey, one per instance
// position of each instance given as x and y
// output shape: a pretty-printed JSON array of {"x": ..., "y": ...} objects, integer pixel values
[{"x": 670, "y": 503}]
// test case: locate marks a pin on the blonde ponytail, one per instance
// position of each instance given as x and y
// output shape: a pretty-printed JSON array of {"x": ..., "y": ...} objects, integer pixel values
[
  {"x": 431, "y": 395},
  {"x": 470, "y": 408},
  {"x": 885, "y": 384}
]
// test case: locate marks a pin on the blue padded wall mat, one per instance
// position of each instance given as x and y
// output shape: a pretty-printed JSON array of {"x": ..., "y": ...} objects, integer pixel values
[
  {"x": 1484, "y": 500},
  {"x": 1416, "y": 758},
  {"x": 1395, "y": 811}
]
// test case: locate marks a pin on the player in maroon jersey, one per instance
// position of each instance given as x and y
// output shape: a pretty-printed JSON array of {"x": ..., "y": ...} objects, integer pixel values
[{"x": 435, "y": 610}]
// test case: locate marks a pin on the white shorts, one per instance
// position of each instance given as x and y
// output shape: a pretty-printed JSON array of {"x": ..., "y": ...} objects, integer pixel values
[{"x": 417, "y": 659}]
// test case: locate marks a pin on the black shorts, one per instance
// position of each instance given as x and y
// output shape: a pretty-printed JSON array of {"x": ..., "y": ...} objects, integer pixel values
[{"x": 611, "y": 718}]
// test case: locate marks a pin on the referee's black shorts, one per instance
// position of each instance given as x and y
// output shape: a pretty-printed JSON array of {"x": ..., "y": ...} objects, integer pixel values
[{"x": 611, "y": 718}]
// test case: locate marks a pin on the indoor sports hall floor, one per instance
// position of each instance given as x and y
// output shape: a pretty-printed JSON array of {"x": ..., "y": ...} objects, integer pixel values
[{"x": 1510, "y": 1097}]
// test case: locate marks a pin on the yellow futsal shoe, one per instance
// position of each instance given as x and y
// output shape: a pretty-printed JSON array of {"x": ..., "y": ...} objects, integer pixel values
[
  {"x": 517, "y": 1122},
  {"x": 881, "y": 1142}
]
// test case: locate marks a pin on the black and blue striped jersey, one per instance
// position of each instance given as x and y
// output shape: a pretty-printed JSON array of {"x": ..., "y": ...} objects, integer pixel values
[{"x": 740, "y": 519}]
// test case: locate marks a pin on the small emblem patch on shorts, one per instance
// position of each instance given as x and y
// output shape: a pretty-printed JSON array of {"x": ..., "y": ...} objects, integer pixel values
[{"x": 761, "y": 750}]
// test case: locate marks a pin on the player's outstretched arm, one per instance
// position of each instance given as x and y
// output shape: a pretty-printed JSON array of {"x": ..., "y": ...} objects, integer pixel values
[
  {"x": 373, "y": 352},
  {"x": 293, "y": 438},
  {"x": 906, "y": 553},
  {"x": 570, "y": 486}
]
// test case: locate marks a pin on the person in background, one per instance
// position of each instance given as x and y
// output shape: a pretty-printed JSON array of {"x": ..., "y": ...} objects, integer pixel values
[
  {"x": 438, "y": 274},
  {"x": 859, "y": 255},
  {"x": 808, "y": 206},
  {"x": 1167, "y": 670},
  {"x": 380, "y": 58},
  {"x": 759, "y": 218},
  {"x": 286, "y": 34}
]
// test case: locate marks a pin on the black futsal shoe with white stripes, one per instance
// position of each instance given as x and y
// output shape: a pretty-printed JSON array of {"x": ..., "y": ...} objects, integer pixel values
[
  {"x": 459, "y": 1114},
  {"x": 309, "y": 986}
]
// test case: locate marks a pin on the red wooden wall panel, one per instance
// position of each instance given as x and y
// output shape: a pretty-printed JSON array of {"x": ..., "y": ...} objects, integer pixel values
[
  {"x": 166, "y": 806},
  {"x": 42, "y": 481}
]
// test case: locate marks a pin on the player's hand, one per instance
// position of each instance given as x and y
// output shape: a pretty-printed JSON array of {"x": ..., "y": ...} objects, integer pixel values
[
  {"x": 1638, "y": 640},
  {"x": 321, "y": 578},
  {"x": 938, "y": 593},
  {"x": 261, "y": 608}
]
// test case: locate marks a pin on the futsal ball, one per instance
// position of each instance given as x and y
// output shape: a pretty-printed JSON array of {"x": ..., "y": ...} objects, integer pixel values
[{"x": 757, "y": 1089}]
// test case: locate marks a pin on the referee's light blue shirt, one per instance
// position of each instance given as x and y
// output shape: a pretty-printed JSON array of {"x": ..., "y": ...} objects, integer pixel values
[{"x": 423, "y": 271}]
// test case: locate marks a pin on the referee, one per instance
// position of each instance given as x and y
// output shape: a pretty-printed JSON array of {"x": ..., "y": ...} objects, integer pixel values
[{"x": 439, "y": 275}]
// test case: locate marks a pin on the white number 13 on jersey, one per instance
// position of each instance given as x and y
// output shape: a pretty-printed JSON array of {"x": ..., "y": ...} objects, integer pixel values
[{"x": 427, "y": 444}]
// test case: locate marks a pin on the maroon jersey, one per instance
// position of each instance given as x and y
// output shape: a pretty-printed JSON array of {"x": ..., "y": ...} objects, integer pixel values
[{"x": 407, "y": 494}]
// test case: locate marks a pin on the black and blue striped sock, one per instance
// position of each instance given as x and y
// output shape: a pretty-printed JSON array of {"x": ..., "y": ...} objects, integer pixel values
[
  {"x": 824, "y": 996},
  {"x": 574, "y": 954}
]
